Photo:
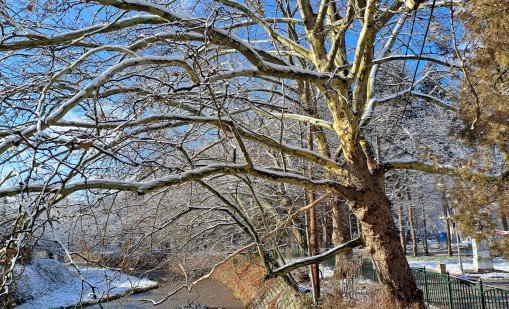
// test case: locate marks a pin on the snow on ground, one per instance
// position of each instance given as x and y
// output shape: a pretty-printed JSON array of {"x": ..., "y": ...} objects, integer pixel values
[
  {"x": 500, "y": 265},
  {"x": 48, "y": 283},
  {"x": 326, "y": 271},
  {"x": 494, "y": 276}
]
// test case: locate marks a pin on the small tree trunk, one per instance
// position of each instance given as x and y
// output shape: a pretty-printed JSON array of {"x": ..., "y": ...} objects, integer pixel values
[
  {"x": 326, "y": 227},
  {"x": 315, "y": 274},
  {"x": 340, "y": 234},
  {"x": 412, "y": 229},
  {"x": 300, "y": 233},
  {"x": 447, "y": 230},
  {"x": 401, "y": 228},
  {"x": 425, "y": 240},
  {"x": 313, "y": 239}
]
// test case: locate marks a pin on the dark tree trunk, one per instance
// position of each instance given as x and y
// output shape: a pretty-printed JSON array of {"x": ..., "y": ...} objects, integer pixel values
[
  {"x": 412, "y": 229},
  {"x": 327, "y": 228},
  {"x": 447, "y": 230},
  {"x": 300, "y": 233},
  {"x": 402, "y": 238},
  {"x": 425, "y": 240}
]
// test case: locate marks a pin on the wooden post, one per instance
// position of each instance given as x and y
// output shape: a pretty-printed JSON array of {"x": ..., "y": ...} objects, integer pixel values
[{"x": 442, "y": 268}]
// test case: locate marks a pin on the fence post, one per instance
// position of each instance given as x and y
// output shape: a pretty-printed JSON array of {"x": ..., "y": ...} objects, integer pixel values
[
  {"x": 481, "y": 294},
  {"x": 425, "y": 284},
  {"x": 449, "y": 290}
]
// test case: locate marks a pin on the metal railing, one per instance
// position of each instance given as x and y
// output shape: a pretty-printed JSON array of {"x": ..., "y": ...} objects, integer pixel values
[{"x": 444, "y": 291}]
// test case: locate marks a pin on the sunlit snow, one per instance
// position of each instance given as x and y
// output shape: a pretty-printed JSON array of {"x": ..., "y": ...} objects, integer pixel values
[{"x": 48, "y": 283}]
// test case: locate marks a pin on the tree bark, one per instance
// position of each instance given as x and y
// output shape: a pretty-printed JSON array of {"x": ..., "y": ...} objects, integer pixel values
[
  {"x": 300, "y": 233},
  {"x": 313, "y": 241},
  {"x": 327, "y": 228},
  {"x": 412, "y": 229},
  {"x": 340, "y": 234},
  {"x": 381, "y": 236},
  {"x": 313, "y": 250},
  {"x": 503, "y": 218},
  {"x": 402, "y": 238},
  {"x": 447, "y": 230},
  {"x": 425, "y": 240}
]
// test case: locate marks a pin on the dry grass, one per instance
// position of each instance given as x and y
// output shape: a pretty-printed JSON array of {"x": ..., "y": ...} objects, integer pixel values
[
  {"x": 349, "y": 291},
  {"x": 369, "y": 296},
  {"x": 245, "y": 275},
  {"x": 247, "y": 270}
]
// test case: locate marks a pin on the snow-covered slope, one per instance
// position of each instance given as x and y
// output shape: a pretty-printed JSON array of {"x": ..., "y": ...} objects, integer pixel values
[
  {"x": 500, "y": 265},
  {"x": 50, "y": 284}
]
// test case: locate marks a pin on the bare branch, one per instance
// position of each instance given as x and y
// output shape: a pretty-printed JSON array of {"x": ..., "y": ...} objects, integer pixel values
[
  {"x": 173, "y": 180},
  {"x": 36, "y": 41},
  {"x": 464, "y": 173},
  {"x": 315, "y": 259}
]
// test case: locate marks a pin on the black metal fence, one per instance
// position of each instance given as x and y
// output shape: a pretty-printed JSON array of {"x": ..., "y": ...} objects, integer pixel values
[{"x": 444, "y": 291}]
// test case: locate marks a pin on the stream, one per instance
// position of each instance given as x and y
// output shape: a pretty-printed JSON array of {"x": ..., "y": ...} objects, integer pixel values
[{"x": 208, "y": 292}]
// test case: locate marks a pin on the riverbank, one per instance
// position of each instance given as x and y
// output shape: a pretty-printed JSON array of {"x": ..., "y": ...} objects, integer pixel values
[{"x": 46, "y": 283}]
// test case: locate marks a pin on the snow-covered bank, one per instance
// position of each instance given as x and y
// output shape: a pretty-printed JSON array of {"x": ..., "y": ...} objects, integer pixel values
[
  {"x": 50, "y": 284},
  {"x": 500, "y": 265}
]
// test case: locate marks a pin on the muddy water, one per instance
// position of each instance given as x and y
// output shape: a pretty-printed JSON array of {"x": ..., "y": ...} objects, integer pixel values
[{"x": 208, "y": 292}]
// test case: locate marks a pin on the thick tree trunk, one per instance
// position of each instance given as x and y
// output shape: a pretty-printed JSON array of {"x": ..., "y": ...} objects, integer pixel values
[{"x": 381, "y": 236}]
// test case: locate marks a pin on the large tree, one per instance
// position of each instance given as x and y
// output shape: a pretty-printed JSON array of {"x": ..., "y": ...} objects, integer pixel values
[{"x": 130, "y": 95}]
